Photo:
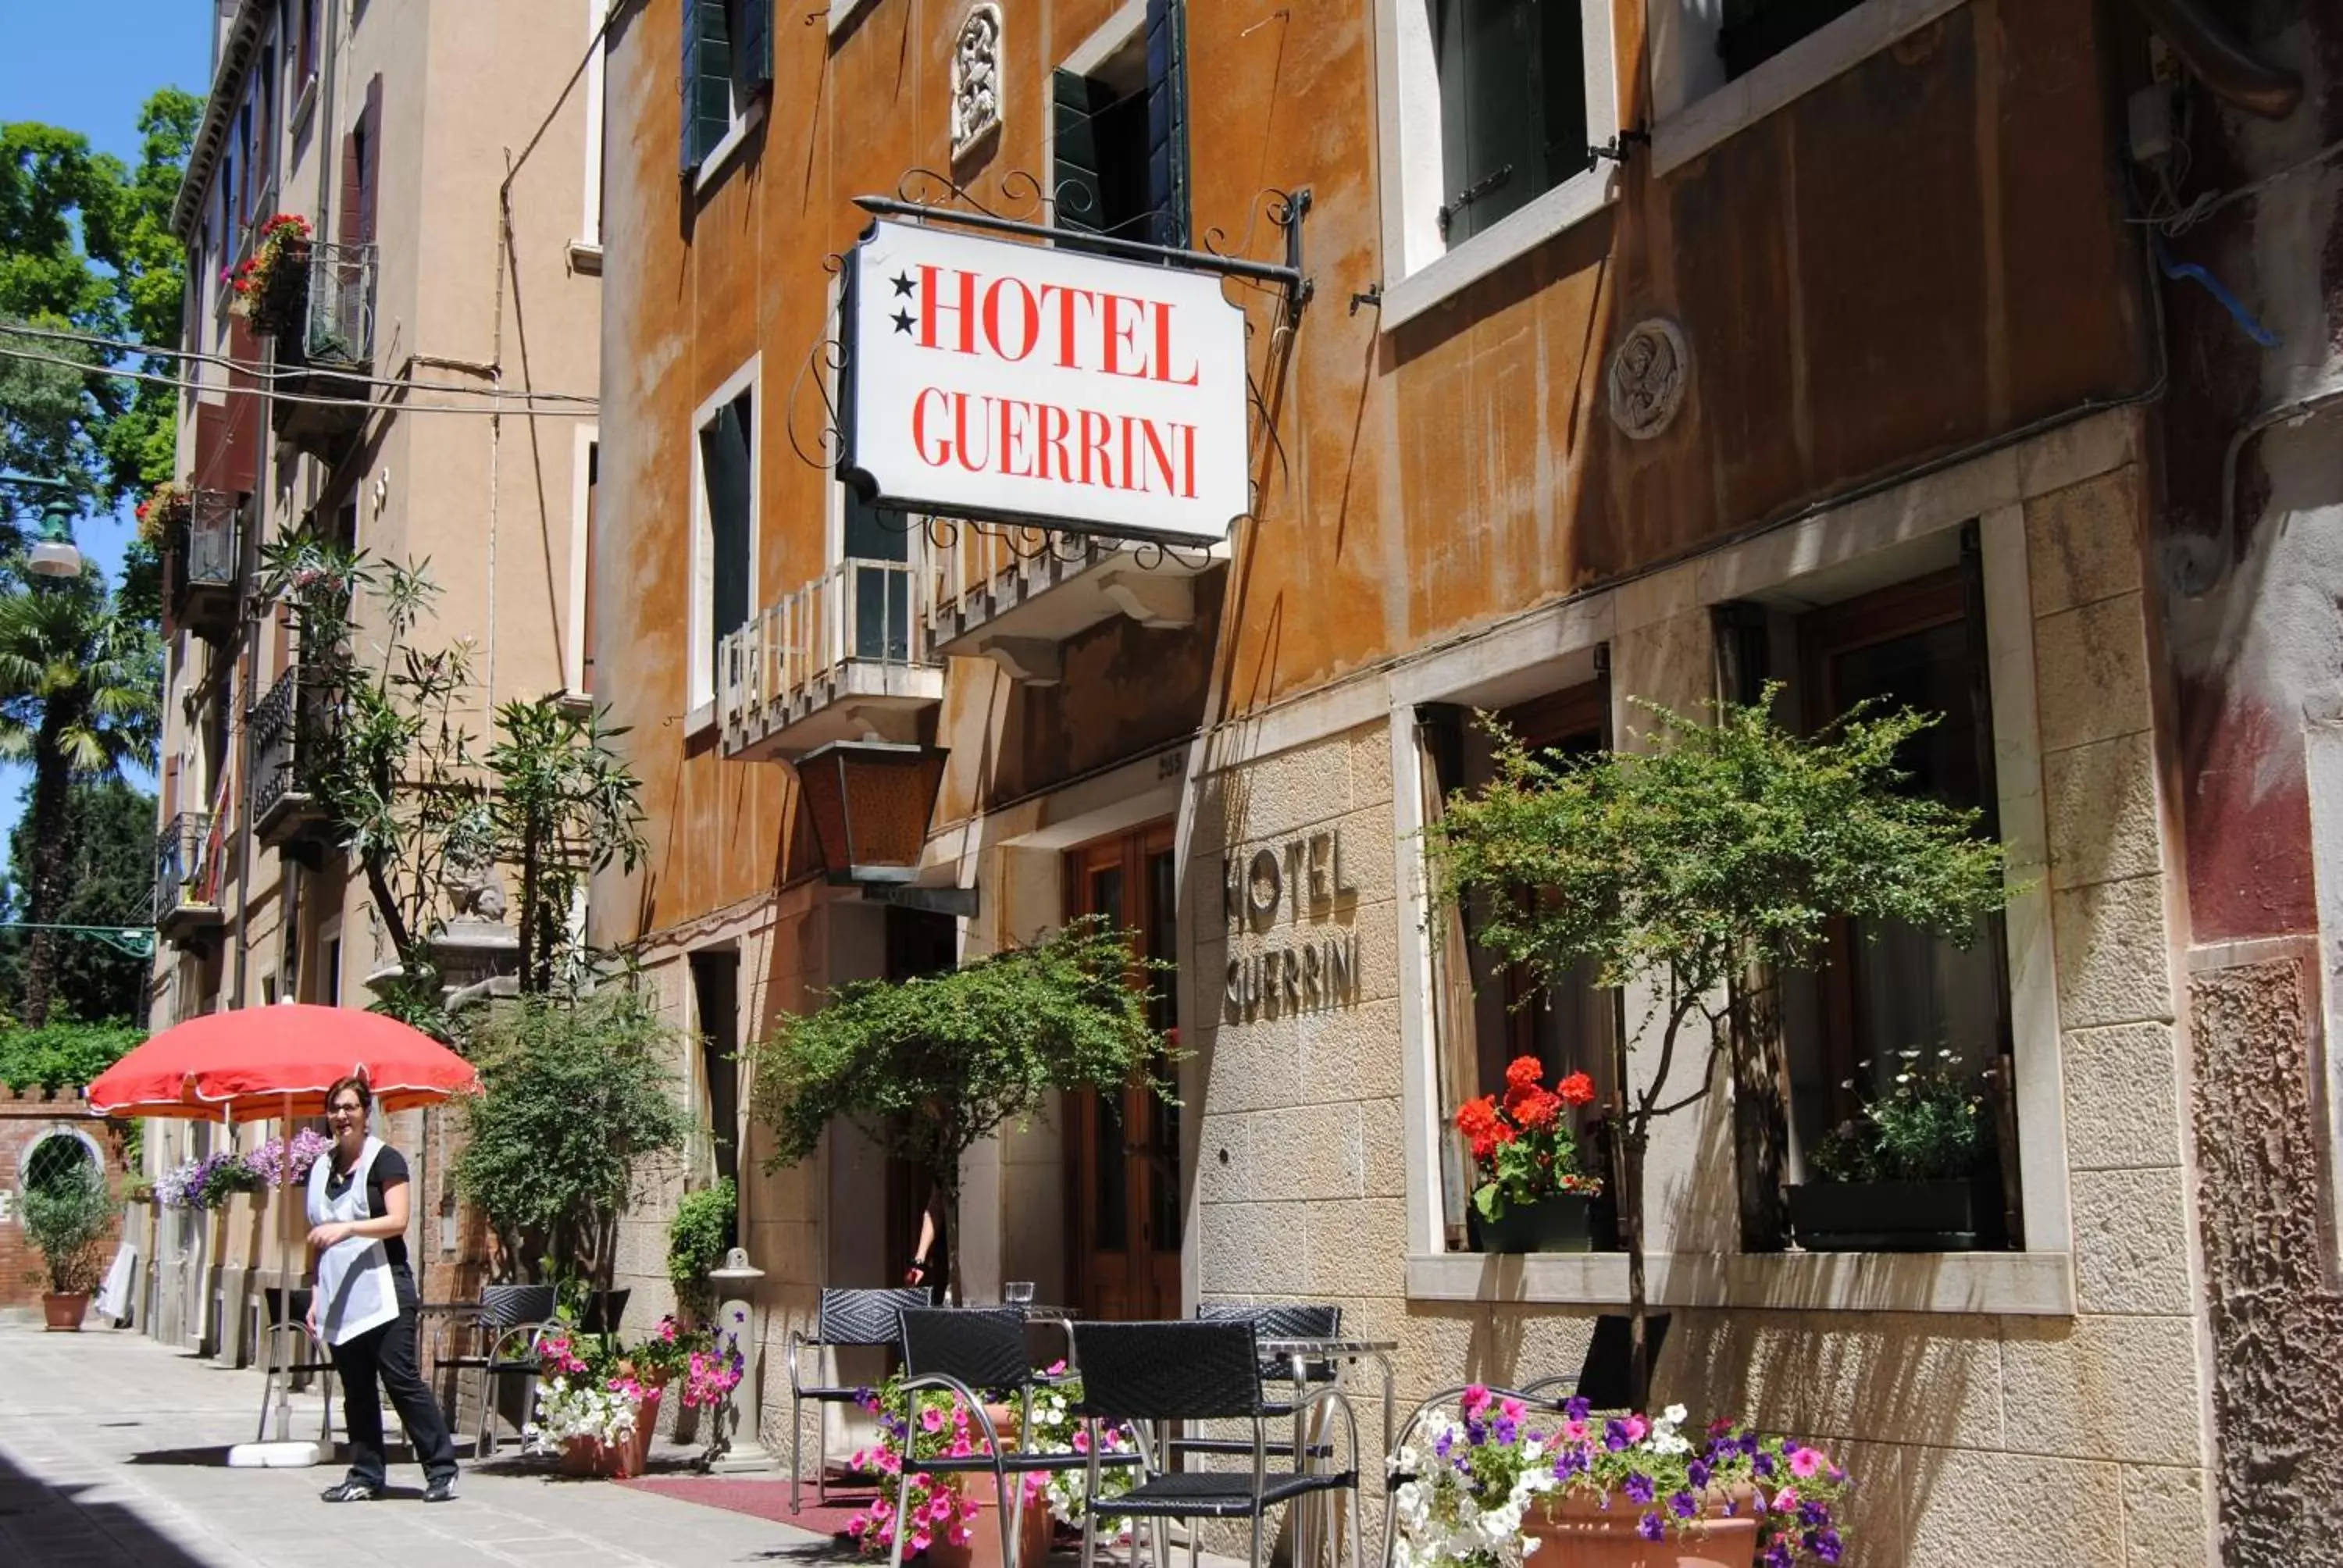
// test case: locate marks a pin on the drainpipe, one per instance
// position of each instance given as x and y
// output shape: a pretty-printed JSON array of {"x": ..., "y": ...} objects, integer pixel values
[{"x": 2289, "y": 414}]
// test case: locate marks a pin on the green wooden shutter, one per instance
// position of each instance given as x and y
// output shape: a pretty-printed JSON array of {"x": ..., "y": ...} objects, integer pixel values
[
  {"x": 754, "y": 41},
  {"x": 728, "y": 474},
  {"x": 707, "y": 79},
  {"x": 1167, "y": 121},
  {"x": 1074, "y": 181}
]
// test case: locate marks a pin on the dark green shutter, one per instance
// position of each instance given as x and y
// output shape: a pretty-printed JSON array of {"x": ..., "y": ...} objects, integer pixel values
[
  {"x": 1512, "y": 106},
  {"x": 725, "y": 471},
  {"x": 1074, "y": 153},
  {"x": 707, "y": 79},
  {"x": 1167, "y": 121},
  {"x": 754, "y": 42}
]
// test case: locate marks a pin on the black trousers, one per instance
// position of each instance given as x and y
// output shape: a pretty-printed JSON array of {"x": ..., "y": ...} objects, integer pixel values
[{"x": 384, "y": 1359}]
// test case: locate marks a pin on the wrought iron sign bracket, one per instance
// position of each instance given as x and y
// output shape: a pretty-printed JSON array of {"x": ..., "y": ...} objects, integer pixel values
[{"x": 1286, "y": 209}]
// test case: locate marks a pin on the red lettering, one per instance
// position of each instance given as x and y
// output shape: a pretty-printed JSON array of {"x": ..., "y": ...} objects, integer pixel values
[
  {"x": 1187, "y": 461},
  {"x": 1068, "y": 300},
  {"x": 1055, "y": 424},
  {"x": 960, "y": 435},
  {"x": 1161, "y": 370},
  {"x": 1159, "y": 455},
  {"x": 1132, "y": 479},
  {"x": 1032, "y": 323},
  {"x": 1013, "y": 436},
  {"x": 919, "y": 428},
  {"x": 932, "y": 304},
  {"x": 1119, "y": 335},
  {"x": 1097, "y": 430}
]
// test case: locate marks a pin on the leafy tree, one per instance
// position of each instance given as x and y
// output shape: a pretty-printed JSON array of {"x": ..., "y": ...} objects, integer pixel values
[
  {"x": 61, "y": 1052},
  {"x": 1726, "y": 849},
  {"x": 109, "y": 880},
  {"x": 79, "y": 697},
  {"x": 576, "y": 1091},
  {"x": 929, "y": 1066},
  {"x": 399, "y": 773}
]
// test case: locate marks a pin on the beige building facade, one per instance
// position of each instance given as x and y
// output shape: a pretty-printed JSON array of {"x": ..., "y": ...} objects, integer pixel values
[{"x": 429, "y": 399}]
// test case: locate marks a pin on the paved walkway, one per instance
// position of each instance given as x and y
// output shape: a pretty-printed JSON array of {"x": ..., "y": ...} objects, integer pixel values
[{"x": 112, "y": 1453}]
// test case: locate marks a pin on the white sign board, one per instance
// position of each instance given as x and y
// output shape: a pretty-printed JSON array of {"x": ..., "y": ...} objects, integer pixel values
[{"x": 1027, "y": 384}]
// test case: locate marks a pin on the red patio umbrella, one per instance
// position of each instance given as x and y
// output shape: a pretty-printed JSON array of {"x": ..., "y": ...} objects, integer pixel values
[{"x": 261, "y": 1061}]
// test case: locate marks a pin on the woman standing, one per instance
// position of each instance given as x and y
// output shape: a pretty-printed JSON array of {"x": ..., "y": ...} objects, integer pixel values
[{"x": 364, "y": 1306}]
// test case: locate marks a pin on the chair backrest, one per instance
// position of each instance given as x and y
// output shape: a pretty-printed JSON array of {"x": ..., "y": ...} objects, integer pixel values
[
  {"x": 1278, "y": 1319},
  {"x": 509, "y": 1306},
  {"x": 1179, "y": 1370},
  {"x": 1603, "y": 1379},
  {"x": 605, "y": 1311},
  {"x": 983, "y": 1347},
  {"x": 866, "y": 1317},
  {"x": 276, "y": 1306}
]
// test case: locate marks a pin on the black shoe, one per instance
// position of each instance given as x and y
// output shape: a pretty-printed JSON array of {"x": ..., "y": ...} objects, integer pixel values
[
  {"x": 351, "y": 1492},
  {"x": 440, "y": 1491}
]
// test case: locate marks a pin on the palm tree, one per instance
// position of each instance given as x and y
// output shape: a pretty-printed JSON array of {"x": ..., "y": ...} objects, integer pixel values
[{"x": 80, "y": 695}]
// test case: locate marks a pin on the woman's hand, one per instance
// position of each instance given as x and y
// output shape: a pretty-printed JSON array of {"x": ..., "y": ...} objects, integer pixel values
[
  {"x": 331, "y": 1231},
  {"x": 310, "y": 1318},
  {"x": 917, "y": 1274}
]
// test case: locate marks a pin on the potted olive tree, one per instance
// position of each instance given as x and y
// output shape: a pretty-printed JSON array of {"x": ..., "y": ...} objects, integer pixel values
[
  {"x": 67, "y": 1217},
  {"x": 1719, "y": 852},
  {"x": 929, "y": 1066}
]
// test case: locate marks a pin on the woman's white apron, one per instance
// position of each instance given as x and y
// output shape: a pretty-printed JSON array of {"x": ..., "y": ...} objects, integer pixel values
[{"x": 355, "y": 1289}]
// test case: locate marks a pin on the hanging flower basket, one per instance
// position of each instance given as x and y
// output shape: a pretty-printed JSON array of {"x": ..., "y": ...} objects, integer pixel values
[
  {"x": 165, "y": 511},
  {"x": 272, "y": 284}
]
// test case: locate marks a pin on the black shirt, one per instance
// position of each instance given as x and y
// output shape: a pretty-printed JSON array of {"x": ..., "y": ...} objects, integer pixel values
[{"x": 390, "y": 1170}]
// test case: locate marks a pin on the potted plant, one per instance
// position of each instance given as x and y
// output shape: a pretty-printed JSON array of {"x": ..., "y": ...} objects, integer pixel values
[
  {"x": 271, "y": 285},
  {"x": 598, "y": 1404},
  {"x": 1912, "y": 1171},
  {"x": 1533, "y": 1196},
  {"x": 1490, "y": 1482},
  {"x": 928, "y": 1066},
  {"x": 945, "y": 1515},
  {"x": 165, "y": 511},
  {"x": 1718, "y": 852},
  {"x": 701, "y": 1232},
  {"x": 66, "y": 1219}
]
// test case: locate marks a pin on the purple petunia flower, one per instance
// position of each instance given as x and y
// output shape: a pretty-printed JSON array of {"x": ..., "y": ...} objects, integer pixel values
[
  {"x": 1615, "y": 1435},
  {"x": 1476, "y": 1433},
  {"x": 1826, "y": 1545},
  {"x": 1447, "y": 1439},
  {"x": 1683, "y": 1506},
  {"x": 1650, "y": 1527},
  {"x": 1639, "y": 1488},
  {"x": 1576, "y": 1408},
  {"x": 1812, "y": 1515},
  {"x": 1765, "y": 1466},
  {"x": 1572, "y": 1463},
  {"x": 1698, "y": 1471},
  {"x": 1778, "y": 1555},
  {"x": 1506, "y": 1431}
]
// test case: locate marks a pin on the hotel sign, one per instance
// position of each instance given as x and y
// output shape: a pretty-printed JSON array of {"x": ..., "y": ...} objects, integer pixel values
[{"x": 1027, "y": 384}]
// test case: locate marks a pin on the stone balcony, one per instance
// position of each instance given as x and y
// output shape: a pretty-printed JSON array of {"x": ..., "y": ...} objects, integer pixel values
[
  {"x": 843, "y": 658},
  {"x": 1015, "y": 595}
]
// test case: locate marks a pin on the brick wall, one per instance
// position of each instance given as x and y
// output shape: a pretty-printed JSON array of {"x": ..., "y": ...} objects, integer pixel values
[{"x": 26, "y": 1120}]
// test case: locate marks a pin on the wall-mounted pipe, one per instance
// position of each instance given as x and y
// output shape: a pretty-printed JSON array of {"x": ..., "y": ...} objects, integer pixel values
[{"x": 2216, "y": 59}]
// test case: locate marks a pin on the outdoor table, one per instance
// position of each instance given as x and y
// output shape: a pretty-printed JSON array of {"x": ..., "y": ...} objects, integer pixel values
[{"x": 1299, "y": 1353}]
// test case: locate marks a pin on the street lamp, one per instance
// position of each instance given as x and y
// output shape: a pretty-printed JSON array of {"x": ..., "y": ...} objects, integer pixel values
[{"x": 55, "y": 555}]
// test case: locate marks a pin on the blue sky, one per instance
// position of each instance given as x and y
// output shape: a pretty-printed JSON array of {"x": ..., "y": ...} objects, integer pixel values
[{"x": 88, "y": 68}]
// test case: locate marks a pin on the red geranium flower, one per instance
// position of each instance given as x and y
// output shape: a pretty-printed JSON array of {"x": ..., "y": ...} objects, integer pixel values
[{"x": 1576, "y": 1089}]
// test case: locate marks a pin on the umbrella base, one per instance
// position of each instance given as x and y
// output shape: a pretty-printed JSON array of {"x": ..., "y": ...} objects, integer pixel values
[{"x": 273, "y": 1456}]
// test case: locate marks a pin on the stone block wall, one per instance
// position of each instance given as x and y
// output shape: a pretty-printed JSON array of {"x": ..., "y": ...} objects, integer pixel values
[{"x": 2082, "y": 1435}]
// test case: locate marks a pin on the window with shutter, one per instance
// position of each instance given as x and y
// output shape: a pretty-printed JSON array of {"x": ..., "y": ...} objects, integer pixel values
[
  {"x": 1118, "y": 154},
  {"x": 727, "y": 471},
  {"x": 1167, "y": 120},
  {"x": 1512, "y": 106},
  {"x": 728, "y": 60}
]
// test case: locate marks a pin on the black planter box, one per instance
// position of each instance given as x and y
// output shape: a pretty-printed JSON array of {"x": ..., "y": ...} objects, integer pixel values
[
  {"x": 1563, "y": 1222},
  {"x": 1955, "y": 1216}
]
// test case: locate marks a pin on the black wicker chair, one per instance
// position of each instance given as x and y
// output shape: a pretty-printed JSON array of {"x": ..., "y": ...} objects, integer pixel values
[
  {"x": 299, "y": 1356},
  {"x": 1271, "y": 1320},
  {"x": 974, "y": 1355},
  {"x": 1147, "y": 1372},
  {"x": 845, "y": 1317},
  {"x": 511, "y": 1320}
]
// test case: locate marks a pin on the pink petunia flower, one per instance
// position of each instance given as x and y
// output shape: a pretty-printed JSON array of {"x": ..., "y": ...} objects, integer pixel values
[
  {"x": 1805, "y": 1463},
  {"x": 1637, "y": 1427},
  {"x": 932, "y": 1419},
  {"x": 1786, "y": 1500},
  {"x": 1476, "y": 1400}
]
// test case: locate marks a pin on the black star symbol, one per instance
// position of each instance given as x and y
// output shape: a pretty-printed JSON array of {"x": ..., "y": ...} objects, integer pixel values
[
  {"x": 902, "y": 319},
  {"x": 903, "y": 285}
]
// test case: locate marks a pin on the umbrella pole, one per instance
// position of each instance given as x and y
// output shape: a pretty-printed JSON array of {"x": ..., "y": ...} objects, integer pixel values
[{"x": 283, "y": 1274}]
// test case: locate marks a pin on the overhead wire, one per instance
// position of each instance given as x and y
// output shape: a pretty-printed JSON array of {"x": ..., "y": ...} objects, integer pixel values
[
  {"x": 263, "y": 373},
  {"x": 395, "y": 405}
]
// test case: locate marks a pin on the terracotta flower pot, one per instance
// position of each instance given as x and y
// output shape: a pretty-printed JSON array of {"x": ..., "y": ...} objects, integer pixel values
[
  {"x": 983, "y": 1548},
  {"x": 586, "y": 1456},
  {"x": 63, "y": 1312},
  {"x": 1579, "y": 1532}
]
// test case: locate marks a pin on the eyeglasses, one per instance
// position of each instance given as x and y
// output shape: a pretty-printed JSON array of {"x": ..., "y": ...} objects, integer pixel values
[{"x": 346, "y": 1111}]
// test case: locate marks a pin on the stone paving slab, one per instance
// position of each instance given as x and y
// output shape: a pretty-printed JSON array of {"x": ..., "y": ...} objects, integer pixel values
[{"x": 112, "y": 1451}]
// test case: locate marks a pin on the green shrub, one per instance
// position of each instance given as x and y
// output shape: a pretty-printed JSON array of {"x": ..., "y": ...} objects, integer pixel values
[
  {"x": 66, "y": 1218},
  {"x": 63, "y": 1053},
  {"x": 702, "y": 1233}
]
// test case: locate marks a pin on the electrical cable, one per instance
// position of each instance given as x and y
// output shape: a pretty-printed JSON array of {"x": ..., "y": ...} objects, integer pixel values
[
  {"x": 263, "y": 374},
  {"x": 395, "y": 405}
]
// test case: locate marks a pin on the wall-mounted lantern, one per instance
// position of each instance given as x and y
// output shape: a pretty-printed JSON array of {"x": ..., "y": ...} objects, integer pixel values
[{"x": 870, "y": 801}]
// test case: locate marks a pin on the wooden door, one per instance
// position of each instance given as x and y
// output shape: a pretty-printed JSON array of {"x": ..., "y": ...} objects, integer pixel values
[{"x": 1123, "y": 1149}]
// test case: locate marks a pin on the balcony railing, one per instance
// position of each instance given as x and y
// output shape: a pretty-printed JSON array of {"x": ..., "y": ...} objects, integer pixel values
[
  {"x": 784, "y": 679},
  {"x": 209, "y": 558},
  {"x": 187, "y": 875},
  {"x": 295, "y": 727},
  {"x": 1015, "y": 594},
  {"x": 341, "y": 306}
]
